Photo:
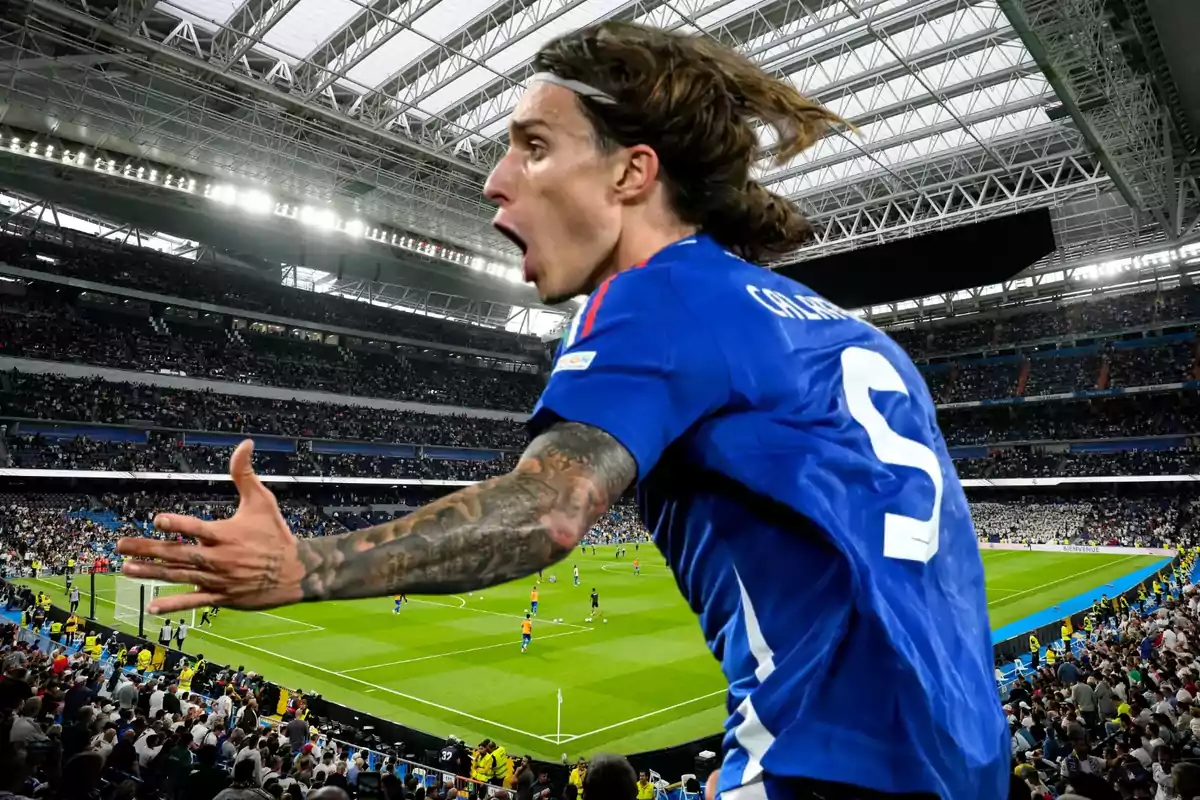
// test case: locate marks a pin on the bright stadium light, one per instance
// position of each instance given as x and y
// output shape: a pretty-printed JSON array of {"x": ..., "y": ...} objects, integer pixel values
[
  {"x": 14, "y": 142},
  {"x": 354, "y": 228},
  {"x": 49, "y": 150},
  {"x": 255, "y": 201},
  {"x": 320, "y": 218},
  {"x": 224, "y": 193}
]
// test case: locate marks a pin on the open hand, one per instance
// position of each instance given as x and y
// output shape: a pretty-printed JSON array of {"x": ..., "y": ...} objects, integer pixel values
[{"x": 248, "y": 561}]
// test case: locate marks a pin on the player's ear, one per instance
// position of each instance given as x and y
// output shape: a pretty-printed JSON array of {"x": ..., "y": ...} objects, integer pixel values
[{"x": 636, "y": 173}]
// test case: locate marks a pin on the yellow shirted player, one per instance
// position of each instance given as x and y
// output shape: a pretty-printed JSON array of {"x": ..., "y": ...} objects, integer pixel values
[
  {"x": 533, "y": 595},
  {"x": 526, "y": 632}
]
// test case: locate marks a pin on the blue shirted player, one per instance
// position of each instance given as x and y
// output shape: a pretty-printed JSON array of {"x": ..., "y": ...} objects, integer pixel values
[{"x": 792, "y": 472}]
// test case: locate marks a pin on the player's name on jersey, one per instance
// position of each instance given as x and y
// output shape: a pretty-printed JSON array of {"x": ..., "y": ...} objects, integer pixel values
[{"x": 797, "y": 306}]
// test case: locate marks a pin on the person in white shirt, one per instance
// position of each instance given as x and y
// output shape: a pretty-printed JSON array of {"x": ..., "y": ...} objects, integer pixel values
[
  {"x": 147, "y": 747},
  {"x": 223, "y": 705},
  {"x": 156, "y": 699},
  {"x": 200, "y": 730}
]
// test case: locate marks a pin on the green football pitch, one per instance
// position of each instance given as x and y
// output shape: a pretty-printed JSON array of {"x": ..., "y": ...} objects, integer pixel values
[{"x": 452, "y": 665}]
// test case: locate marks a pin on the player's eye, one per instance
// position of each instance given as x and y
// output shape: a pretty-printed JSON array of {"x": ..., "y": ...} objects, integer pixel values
[{"x": 537, "y": 149}]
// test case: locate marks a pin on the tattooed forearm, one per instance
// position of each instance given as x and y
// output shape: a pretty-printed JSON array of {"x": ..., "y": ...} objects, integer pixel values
[{"x": 489, "y": 533}]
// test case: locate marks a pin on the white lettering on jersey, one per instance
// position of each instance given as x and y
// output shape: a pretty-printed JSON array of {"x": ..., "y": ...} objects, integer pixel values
[
  {"x": 575, "y": 361},
  {"x": 797, "y": 306}
]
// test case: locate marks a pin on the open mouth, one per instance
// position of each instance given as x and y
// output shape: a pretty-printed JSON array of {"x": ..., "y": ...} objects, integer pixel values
[{"x": 512, "y": 236}]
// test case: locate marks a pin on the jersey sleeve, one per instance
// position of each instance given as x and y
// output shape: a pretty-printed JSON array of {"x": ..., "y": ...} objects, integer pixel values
[{"x": 637, "y": 365}]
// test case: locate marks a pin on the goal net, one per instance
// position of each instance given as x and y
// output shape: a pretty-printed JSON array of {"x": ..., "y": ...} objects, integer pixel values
[{"x": 133, "y": 604}]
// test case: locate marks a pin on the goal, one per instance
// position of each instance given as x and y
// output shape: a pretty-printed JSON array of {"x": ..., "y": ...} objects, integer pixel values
[{"x": 133, "y": 602}]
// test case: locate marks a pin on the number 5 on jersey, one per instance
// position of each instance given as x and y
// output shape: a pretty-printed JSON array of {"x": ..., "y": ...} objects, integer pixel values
[{"x": 864, "y": 371}]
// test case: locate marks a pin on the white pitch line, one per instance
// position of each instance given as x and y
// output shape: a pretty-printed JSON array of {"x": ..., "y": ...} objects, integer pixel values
[
  {"x": 273, "y": 635},
  {"x": 460, "y": 652},
  {"x": 372, "y": 686},
  {"x": 541, "y": 620},
  {"x": 289, "y": 619},
  {"x": 642, "y": 716},
  {"x": 1062, "y": 580},
  {"x": 629, "y": 569}
]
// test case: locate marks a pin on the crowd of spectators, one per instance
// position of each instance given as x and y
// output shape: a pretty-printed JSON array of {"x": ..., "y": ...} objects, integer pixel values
[
  {"x": 1118, "y": 719},
  {"x": 149, "y": 271},
  {"x": 45, "y": 325},
  {"x": 52, "y": 397},
  {"x": 1136, "y": 311},
  {"x": 54, "y": 529},
  {"x": 1036, "y": 462},
  {"x": 1098, "y": 520},
  {"x": 1104, "y": 418}
]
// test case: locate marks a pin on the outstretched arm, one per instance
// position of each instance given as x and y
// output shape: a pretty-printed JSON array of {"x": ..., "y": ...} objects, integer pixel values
[
  {"x": 482, "y": 535},
  {"x": 495, "y": 531}
]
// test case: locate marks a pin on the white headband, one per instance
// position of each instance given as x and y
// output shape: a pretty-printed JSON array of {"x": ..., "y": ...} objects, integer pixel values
[{"x": 578, "y": 87}]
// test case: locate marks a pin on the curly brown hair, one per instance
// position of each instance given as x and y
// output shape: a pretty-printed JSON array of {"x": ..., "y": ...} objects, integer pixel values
[{"x": 694, "y": 101}]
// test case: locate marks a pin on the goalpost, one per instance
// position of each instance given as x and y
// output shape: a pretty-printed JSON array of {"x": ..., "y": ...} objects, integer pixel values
[{"x": 133, "y": 601}]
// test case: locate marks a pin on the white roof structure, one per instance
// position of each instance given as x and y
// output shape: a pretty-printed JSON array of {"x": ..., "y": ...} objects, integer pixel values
[{"x": 397, "y": 109}]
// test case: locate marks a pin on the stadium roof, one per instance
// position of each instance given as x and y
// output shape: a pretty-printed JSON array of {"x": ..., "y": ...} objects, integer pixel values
[{"x": 393, "y": 111}]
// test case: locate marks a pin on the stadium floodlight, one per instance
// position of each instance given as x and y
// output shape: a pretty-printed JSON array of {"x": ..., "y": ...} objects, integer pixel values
[
  {"x": 223, "y": 193},
  {"x": 14, "y": 142},
  {"x": 354, "y": 228},
  {"x": 49, "y": 150},
  {"x": 320, "y": 218},
  {"x": 256, "y": 201}
]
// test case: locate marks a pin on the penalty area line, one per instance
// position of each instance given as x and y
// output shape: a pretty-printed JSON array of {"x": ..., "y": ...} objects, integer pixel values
[
  {"x": 641, "y": 717},
  {"x": 460, "y": 652}
]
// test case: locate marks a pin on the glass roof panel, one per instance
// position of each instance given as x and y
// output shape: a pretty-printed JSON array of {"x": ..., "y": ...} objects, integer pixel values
[
  {"x": 518, "y": 52},
  {"x": 308, "y": 25},
  {"x": 207, "y": 14},
  {"x": 400, "y": 51}
]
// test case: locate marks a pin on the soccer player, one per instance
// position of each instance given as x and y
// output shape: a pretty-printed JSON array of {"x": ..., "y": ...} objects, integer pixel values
[
  {"x": 533, "y": 595},
  {"x": 526, "y": 632},
  {"x": 637, "y": 567},
  {"x": 595, "y": 602},
  {"x": 398, "y": 601},
  {"x": 74, "y": 598},
  {"x": 206, "y": 616},
  {"x": 575, "y": 573},
  {"x": 786, "y": 454}
]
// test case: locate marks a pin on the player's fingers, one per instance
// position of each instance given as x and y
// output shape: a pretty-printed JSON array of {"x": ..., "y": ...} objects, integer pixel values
[
  {"x": 199, "y": 529},
  {"x": 154, "y": 571},
  {"x": 175, "y": 552},
  {"x": 171, "y": 603},
  {"x": 241, "y": 469}
]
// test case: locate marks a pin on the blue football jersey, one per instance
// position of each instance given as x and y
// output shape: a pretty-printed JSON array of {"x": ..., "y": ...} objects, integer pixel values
[{"x": 792, "y": 472}]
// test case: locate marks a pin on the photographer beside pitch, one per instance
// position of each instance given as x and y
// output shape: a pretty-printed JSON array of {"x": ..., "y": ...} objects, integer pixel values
[{"x": 786, "y": 454}]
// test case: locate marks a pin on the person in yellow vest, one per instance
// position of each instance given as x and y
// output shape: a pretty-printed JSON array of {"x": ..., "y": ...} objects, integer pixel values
[
  {"x": 1051, "y": 657},
  {"x": 645, "y": 789},
  {"x": 481, "y": 764},
  {"x": 1089, "y": 625},
  {"x": 144, "y": 656},
  {"x": 91, "y": 645},
  {"x": 185, "y": 678},
  {"x": 45, "y": 602},
  {"x": 500, "y": 765},
  {"x": 72, "y": 627},
  {"x": 1156, "y": 590},
  {"x": 1065, "y": 630},
  {"x": 56, "y": 629},
  {"x": 70, "y": 566},
  {"x": 120, "y": 657},
  {"x": 37, "y": 565},
  {"x": 1035, "y": 651},
  {"x": 302, "y": 709},
  {"x": 577, "y": 775}
]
